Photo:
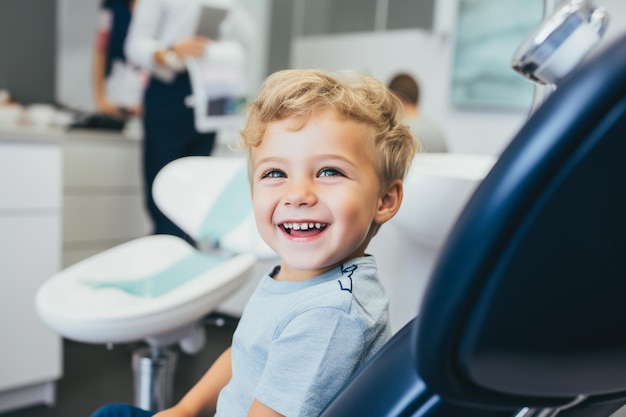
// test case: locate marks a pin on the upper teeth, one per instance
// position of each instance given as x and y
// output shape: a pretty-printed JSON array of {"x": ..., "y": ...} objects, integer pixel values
[{"x": 302, "y": 226}]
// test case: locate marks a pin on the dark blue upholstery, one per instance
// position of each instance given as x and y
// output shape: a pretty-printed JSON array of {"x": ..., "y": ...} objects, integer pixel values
[
  {"x": 524, "y": 308},
  {"x": 525, "y": 305},
  {"x": 389, "y": 386}
]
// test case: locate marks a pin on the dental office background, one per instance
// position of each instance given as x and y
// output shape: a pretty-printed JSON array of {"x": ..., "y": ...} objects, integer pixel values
[
  {"x": 54, "y": 50},
  {"x": 459, "y": 50}
]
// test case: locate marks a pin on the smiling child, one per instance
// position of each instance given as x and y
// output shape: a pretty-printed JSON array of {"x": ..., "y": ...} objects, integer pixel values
[{"x": 327, "y": 156}]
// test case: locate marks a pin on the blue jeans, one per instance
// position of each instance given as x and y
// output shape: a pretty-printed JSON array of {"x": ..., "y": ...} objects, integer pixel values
[{"x": 121, "y": 410}]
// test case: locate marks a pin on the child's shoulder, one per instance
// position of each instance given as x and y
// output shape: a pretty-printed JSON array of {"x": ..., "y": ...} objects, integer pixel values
[{"x": 349, "y": 282}]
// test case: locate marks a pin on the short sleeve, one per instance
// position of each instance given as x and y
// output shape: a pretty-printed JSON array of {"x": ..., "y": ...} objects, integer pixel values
[{"x": 310, "y": 361}]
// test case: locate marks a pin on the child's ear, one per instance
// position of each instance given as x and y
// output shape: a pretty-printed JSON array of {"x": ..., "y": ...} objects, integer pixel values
[{"x": 389, "y": 202}]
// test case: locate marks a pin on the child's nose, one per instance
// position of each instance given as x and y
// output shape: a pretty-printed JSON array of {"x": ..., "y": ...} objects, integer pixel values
[{"x": 300, "y": 193}]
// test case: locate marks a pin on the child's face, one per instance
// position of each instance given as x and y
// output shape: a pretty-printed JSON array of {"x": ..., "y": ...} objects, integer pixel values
[{"x": 315, "y": 193}]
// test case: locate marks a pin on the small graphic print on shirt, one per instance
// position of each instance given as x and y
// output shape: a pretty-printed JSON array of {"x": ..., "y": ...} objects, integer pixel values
[{"x": 346, "y": 284}]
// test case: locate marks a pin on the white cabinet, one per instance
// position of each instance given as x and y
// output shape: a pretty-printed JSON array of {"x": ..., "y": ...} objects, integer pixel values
[
  {"x": 30, "y": 237},
  {"x": 63, "y": 197}
]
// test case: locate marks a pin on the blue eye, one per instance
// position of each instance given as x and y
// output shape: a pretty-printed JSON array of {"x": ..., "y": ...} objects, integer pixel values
[
  {"x": 329, "y": 172},
  {"x": 273, "y": 173}
]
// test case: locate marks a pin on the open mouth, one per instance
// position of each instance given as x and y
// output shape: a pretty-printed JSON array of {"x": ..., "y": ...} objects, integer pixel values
[{"x": 303, "y": 228}]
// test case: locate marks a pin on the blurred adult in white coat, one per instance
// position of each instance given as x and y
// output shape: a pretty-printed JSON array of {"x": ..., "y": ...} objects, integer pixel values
[{"x": 162, "y": 35}]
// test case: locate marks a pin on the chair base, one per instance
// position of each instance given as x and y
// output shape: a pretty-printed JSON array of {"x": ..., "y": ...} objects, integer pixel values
[{"x": 153, "y": 374}]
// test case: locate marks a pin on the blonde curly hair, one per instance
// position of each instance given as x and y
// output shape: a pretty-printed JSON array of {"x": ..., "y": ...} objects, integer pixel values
[{"x": 298, "y": 94}]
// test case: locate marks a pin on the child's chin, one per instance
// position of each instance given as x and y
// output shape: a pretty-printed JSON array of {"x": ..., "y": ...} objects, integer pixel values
[{"x": 304, "y": 263}]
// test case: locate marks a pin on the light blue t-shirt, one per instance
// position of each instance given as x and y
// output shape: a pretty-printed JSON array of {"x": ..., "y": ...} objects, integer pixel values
[{"x": 297, "y": 343}]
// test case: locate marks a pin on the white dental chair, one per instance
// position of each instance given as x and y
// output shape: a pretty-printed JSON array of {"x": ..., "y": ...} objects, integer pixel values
[{"x": 158, "y": 288}]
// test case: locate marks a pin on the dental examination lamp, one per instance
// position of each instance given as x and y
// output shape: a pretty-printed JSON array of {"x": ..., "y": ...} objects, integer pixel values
[{"x": 559, "y": 43}]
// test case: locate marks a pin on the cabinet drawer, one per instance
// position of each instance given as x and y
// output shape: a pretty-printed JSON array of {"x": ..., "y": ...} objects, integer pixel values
[
  {"x": 101, "y": 163},
  {"x": 31, "y": 175}
]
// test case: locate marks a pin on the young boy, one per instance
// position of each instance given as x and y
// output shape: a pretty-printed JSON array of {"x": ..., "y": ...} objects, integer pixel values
[{"x": 327, "y": 156}]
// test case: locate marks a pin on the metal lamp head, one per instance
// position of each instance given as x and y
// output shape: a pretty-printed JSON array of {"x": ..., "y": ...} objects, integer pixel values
[{"x": 560, "y": 42}]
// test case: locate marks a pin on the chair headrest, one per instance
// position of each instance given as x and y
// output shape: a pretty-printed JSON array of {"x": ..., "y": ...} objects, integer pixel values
[
  {"x": 208, "y": 197},
  {"x": 525, "y": 305}
]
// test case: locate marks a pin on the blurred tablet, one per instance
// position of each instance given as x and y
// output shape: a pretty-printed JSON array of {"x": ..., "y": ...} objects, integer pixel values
[{"x": 209, "y": 22}]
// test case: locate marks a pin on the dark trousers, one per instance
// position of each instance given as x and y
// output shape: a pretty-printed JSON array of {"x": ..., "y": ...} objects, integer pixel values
[{"x": 169, "y": 134}]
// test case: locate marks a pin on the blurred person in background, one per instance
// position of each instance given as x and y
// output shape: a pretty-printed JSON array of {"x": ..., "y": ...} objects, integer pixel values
[
  {"x": 118, "y": 85},
  {"x": 162, "y": 35},
  {"x": 429, "y": 135}
]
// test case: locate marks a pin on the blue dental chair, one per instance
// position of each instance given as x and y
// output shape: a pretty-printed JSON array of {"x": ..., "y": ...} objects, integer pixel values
[{"x": 523, "y": 314}]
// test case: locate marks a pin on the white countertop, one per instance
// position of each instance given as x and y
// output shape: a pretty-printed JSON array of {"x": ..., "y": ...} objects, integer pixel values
[
  {"x": 226, "y": 140},
  {"x": 57, "y": 134},
  {"x": 30, "y": 134}
]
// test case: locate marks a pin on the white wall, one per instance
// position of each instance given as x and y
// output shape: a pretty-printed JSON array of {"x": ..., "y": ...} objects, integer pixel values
[
  {"x": 428, "y": 55},
  {"x": 425, "y": 55},
  {"x": 76, "y": 20}
]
